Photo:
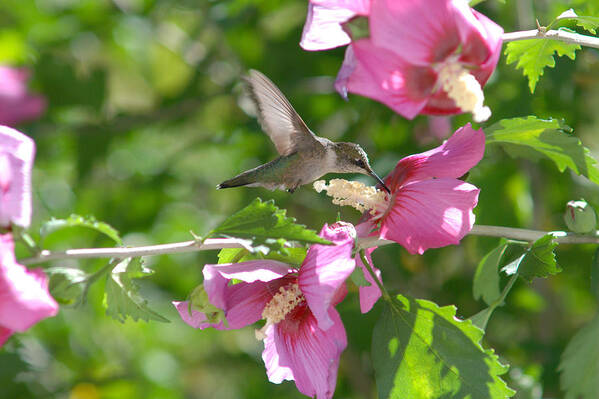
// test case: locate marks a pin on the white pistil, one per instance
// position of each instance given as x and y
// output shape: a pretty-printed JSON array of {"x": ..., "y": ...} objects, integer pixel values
[
  {"x": 464, "y": 89},
  {"x": 279, "y": 306},
  {"x": 355, "y": 194}
]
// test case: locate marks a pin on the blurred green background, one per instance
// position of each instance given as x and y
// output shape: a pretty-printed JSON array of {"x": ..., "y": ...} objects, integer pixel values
[{"x": 146, "y": 115}]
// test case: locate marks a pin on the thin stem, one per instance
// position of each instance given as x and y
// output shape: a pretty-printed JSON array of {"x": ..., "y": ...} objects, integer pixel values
[
  {"x": 95, "y": 276},
  {"x": 376, "y": 279},
  {"x": 561, "y": 237},
  {"x": 506, "y": 290},
  {"x": 561, "y": 35},
  {"x": 149, "y": 250},
  {"x": 498, "y": 302}
]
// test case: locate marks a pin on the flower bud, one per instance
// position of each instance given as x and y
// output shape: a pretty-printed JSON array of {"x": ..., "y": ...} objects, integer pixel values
[
  {"x": 580, "y": 217},
  {"x": 198, "y": 300}
]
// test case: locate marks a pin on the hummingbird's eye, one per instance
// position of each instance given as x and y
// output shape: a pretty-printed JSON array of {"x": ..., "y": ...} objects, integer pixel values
[{"x": 360, "y": 163}]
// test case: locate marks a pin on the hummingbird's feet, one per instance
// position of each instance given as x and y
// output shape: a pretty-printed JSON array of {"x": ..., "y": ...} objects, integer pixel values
[{"x": 291, "y": 190}]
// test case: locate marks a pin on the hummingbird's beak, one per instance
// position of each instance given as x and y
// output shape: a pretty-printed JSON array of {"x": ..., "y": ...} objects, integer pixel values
[{"x": 379, "y": 180}]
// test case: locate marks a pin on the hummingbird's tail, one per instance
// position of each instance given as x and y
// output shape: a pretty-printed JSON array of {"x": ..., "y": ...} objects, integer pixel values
[
  {"x": 260, "y": 176},
  {"x": 229, "y": 183},
  {"x": 237, "y": 181}
]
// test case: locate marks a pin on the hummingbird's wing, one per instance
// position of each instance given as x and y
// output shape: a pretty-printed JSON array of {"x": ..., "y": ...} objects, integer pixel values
[{"x": 279, "y": 120}]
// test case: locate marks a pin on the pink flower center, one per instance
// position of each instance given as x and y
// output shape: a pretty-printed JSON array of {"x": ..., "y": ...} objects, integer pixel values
[
  {"x": 282, "y": 303},
  {"x": 355, "y": 194},
  {"x": 463, "y": 88},
  {"x": 419, "y": 81}
]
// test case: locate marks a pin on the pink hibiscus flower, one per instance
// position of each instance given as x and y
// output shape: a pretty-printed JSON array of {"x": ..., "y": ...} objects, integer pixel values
[
  {"x": 24, "y": 297},
  {"x": 428, "y": 206},
  {"x": 16, "y": 104},
  {"x": 424, "y": 57},
  {"x": 304, "y": 335},
  {"x": 323, "y": 29},
  {"x": 16, "y": 160}
]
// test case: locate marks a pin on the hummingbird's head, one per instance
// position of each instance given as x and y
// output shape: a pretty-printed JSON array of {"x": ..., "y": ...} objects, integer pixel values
[{"x": 351, "y": 158}]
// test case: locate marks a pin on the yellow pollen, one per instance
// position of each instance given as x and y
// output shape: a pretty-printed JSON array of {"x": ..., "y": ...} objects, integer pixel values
[
  {"x": 464, "y": 89},
  {"x": 279, "y": 306},
  {"x": 355, "y": 194},
  {"x": 282, "y": 303}
]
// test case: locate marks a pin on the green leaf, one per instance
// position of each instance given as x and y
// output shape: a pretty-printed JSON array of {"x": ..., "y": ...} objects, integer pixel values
[
  {"x": 80, "y": 221},
  {"x": 595, "y": 275},
  {"x": 65, "y": 284},
  {"x": 579, "y": 365},
  {"x": 122, "y": 298},
  {"x": 486, "y": 278},
  {"x": 535, "y": 138},
  {"x": 481, "y": 319},
  {"x": 265, "y": 224},
  {"x": 421, "y": 350},
  {"x": 358, "y": 278},
  {"x": 231, "y": 255},
  {"x": 512, "y": 267},
  {"x": 590, "y": 24},
  {"x": 292, "y": 256},
  {"x": 532, "y": 56},
  {"x": 537, "y": 261}
]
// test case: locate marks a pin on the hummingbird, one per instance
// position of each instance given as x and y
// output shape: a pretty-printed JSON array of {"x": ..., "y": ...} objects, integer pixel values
[{"x": 303, "y": 156}]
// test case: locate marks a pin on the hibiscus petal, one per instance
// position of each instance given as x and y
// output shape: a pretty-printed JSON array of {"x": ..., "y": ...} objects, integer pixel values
[
  {"x": 325, "y": 269},
  {"x": 440, "y": 104},
  {"x": 430, "y": 214},
  {"x": 371, "y": 293},
  {"x": 365, "y": 226},
  {"x": 346, "y": 70},
  {"x": 381, "y": 75},
  {"x": 216, "y": 277},
  {"x": 246, "y": 301},
  {"x": 485, "y": 69},
  {"x": 253, "y": 270},
  {"x": 306, "y": 353},
  {"x": 23, "y": 109},
  {"x": 243, "y": 302},
  {"x": 215, "y": 285},
  {"x": 421, "y": 31},
  {"x": 24, "y": 296},
  {"x": 16, "y": 160},
  {"x": 464, "y": 149},
  {"x": 274, "y": 370},
  {"x": 14, "y": 82},
  {"x": 323, "y": 30},
  {"x": 16, "y": 105},
  {"x": 481, "y": 37}
]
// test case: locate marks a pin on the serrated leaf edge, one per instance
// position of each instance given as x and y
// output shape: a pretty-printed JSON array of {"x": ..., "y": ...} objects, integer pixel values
[{"x": 452, "y": 309}]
